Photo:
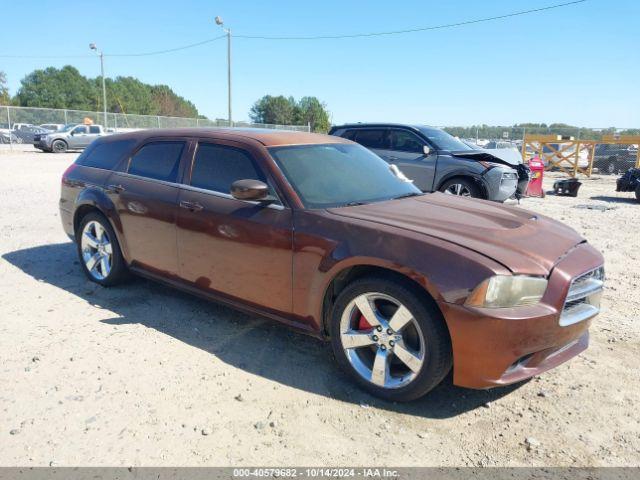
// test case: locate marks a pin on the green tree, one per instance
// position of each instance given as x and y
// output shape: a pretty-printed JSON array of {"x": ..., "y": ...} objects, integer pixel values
[
  {"x": 278, "y": 110},
  {"x": 281, "y": 110},
  {"x": 310, "y": 110},
  {"x": 4, "y": 89},
  {"x": 67, "y": 88},
  {"x": 57, "y": 88}
]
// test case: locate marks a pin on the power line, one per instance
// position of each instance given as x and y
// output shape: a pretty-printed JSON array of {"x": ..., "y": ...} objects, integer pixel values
[
  {"x": 317, "y": 37},
  {"x": 143, "y": 54},
  {"x": 160, "y": 52},
  {"x": 413, "y": 30}
]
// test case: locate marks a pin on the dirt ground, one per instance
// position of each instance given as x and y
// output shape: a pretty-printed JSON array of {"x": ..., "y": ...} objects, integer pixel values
[{"x": 144, "y": 375}]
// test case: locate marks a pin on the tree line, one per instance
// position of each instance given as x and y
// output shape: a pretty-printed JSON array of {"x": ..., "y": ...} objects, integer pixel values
[{"x": 67, "y": 88}]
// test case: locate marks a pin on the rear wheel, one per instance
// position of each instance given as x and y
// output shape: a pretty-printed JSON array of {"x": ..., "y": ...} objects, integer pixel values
[
  {"x": 638, "y": 192},
  {"x": 462, "y": 187},
  {"x": 391, "y": 341},
  {"x": 59, "y": 146},
  {"x": 99, "y": 251}
]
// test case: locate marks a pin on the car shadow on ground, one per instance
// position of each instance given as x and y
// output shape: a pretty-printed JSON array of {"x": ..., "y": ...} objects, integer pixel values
[
  {"x": 249, "y": 342},
  {"x": 606, "y": 198}
]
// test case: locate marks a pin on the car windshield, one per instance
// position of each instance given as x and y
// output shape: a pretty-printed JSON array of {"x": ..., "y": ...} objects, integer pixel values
[
  {"x": 442, "y": 140},
  {"x": 332, "y": 175}
]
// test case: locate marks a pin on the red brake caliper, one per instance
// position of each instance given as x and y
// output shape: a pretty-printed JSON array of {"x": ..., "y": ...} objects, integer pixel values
[{"x": 363, "y": 324}]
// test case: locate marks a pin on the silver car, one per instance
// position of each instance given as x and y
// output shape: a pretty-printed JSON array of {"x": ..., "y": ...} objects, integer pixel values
[
  {"x": 435, "y": 160},
  {"x": 71, "y": 137}
]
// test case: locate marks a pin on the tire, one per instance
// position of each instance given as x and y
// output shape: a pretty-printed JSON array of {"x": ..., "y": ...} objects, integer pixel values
[
  {"x": 638, "y": 192},
  {"x": 95, "y": 230},
  {"x": 464, "y": 187},
  {"x": 611, "y": 167},
  {"x": 59, "y": 146},
  {"x": 357, "y": 347}
]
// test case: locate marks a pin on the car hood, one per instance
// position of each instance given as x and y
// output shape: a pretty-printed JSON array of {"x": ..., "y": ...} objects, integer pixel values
[
  {"x": 522, "y": 241},
  {"x": 507, "y": 156}
]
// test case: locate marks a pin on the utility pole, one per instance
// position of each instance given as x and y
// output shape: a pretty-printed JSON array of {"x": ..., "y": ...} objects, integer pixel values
[
  {"x": 93, "y": 46},
  {"x": 228, "y": 32}
]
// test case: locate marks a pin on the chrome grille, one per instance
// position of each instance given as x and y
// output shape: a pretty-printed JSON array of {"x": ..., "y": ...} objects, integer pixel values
[{"x": 583, "y": 299}]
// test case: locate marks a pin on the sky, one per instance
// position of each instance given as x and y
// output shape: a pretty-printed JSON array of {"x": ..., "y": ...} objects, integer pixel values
[{"x": 578, "y": 64}]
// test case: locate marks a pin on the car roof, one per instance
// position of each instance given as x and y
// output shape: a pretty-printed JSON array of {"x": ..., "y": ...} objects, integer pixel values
[
  {"x": 378, "y": 125},
  {"x": 265, "y": 136}
]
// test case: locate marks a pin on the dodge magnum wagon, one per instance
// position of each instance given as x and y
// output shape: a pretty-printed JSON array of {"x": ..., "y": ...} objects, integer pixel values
[{"x": 321, "y": 234}]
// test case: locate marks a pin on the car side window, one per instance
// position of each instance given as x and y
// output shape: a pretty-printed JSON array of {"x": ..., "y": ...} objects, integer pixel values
[
  {"x": 105, "y": 155},
  {"x": 405, "y": 141},
  {"x": 157, "y": 160},
  {"x": 372, "y": 138},
  {"x": 79, "y": 129},
  {"x": 216, "y": 167},
  {"x": 349, "y": 134},
  {"x": 94, "y": 129}
]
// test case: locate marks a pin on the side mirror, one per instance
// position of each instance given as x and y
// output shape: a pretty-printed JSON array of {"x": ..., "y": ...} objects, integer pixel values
[
  {"x": 426, "y": 150},
  {"x": 250, "y": 190}
]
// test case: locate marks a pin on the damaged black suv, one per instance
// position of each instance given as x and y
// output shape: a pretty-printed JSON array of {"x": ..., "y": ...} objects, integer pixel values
[{"x": 435, "y": 160}]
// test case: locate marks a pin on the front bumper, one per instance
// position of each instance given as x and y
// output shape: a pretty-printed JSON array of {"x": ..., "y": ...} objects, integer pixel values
[
  {"x": 500, "y": 183},
  {"x": 493, "y": 347}
]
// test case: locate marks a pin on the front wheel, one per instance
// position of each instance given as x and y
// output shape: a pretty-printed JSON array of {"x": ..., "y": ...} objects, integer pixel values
[
  {"x": 99, "y": 251},
  {"x": 389, "y": 339},
  {"x": 462, "y": 187}
]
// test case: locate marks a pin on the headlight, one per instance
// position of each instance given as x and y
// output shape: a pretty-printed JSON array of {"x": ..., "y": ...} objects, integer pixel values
[{"x": 504, "y": 291}]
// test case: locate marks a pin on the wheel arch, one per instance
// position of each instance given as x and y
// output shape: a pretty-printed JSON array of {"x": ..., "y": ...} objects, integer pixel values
[
  {"x": 95, "y": 200},
  {"x": 466, "y": 175},
  {"x": 342, "y": 278}
]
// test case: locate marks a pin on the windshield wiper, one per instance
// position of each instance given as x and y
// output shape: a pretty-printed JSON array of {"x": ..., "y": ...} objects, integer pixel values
[{"x": 407, "y": 195}]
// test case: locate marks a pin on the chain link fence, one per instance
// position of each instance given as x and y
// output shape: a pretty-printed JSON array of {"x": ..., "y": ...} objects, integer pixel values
[
  {"x": 608, "y": 151},
  {"x": 18, "y": 125}
]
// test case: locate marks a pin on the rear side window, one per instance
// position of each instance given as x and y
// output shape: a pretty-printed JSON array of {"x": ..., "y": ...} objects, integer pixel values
[
  {"x": 105, "y": 155},
  {"x": 216, "y": 167},
  {"x": 157, "y": 160},
  {"x": 371, "y": 138},
  {"x": 94, "y": 129}
]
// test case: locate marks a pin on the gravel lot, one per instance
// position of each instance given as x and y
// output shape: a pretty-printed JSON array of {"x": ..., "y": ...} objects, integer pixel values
[{"x": 144, "y": 375}]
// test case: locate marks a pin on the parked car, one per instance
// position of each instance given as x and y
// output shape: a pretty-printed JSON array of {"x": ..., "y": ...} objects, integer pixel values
[
  {"x": 319, "y": 233},
  {"x": 52, "y": 127},
  {"x": 615, "y": 158},
  {"x": 7, "y": 136},
  {"x": 630, "y": 182},
  {"x": 435, "y": 160},
  {"x": 26, "y": 134},
  {"x": 72, "y": 137}
]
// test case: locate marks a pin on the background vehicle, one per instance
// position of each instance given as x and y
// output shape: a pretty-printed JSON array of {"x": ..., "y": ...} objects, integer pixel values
[
  {"x": 52, "y": 127},
  {"x": 72, "y": 137},
  {"x": 317, "y": 232},
  {"x": 630, "y": 182},
  {"x": 26, "y": 134},
  {"x": 7, "y": 136},
  {"x": 435, "y": 160},
  {"x": 614, "y": 158}
]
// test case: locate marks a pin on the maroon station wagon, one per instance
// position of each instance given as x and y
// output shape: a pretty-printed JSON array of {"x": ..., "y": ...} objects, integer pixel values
[{"x": 319, "y": 233}]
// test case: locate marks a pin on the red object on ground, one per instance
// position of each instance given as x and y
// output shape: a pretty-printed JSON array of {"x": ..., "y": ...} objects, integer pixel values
[{"x": 537, "y": 172}]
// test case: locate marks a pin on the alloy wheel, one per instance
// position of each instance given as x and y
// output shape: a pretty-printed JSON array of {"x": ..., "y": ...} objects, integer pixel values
[
  {"x": 458, "y": 189},
  {"x": 97, "y": 250},
  {"x": 382, "y": 340}
]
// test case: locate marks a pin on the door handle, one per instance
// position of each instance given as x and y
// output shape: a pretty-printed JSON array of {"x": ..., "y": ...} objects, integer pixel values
[
  {"x": 116, "y": 188},
  {"x": 192, "y": 206}
]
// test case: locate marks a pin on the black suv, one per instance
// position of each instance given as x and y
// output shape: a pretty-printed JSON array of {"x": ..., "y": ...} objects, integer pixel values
[{"x": 615, "y": 158}]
